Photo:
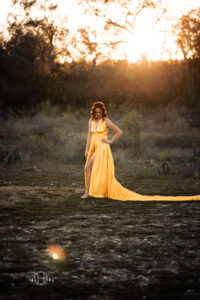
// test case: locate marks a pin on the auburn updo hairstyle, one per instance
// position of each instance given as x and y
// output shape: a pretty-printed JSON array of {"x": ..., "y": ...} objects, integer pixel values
[{"x": 100, "y": 105}]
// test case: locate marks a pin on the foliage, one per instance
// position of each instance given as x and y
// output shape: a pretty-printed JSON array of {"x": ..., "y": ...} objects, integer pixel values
[
  {"x": 131, "y": 124},
  {"x": 26, "y": 83},
  {"x": 28, "y": 59},
  {"x": 188, "y": 32},
  {"x": 30, "y": 74}
]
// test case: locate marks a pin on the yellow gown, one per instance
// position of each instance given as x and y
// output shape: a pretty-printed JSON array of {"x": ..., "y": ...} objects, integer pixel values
[{"x": 103, "y": 182}]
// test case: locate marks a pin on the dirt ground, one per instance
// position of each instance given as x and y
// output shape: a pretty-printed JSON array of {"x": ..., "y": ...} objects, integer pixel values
[{"x": 114, "y": 250}]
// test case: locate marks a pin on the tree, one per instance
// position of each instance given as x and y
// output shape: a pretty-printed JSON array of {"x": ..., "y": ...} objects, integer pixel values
[
  {"x": 187, "y": 31},
  {"x": 118, "y": 18},
  {"x": 28, "y": 59},
  {"x": 44, "y": 26}
]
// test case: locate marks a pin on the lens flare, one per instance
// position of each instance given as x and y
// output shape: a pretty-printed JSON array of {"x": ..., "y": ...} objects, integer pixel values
[{"x": 56, "y": 251}]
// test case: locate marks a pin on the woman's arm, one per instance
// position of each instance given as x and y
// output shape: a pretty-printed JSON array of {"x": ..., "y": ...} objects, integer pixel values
[
  {"x": 89, "y": 136},
  {"x": 115, "y": 128}
]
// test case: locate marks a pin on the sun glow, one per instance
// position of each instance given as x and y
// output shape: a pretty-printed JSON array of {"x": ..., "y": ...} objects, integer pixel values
[
  {"x": 148, "y": 39},
  {"x": 146, "y": 43},
  {"x": 153, "y": 40}
]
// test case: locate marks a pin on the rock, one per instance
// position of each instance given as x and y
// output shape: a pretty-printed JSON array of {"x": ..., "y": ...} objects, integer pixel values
[
  {"x": 165, "y": 168},
  {"x": 33, "y": 168},
  {"x": 9, "y": 156}
]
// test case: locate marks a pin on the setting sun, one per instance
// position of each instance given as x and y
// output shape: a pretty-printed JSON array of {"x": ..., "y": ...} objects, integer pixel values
[
  {"x": 150, "y": 35},
  {"x": 137, "y": 34}
]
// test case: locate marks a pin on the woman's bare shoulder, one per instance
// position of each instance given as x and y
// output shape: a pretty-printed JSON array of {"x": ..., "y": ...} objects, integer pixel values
[{"x": 107, "y": 120}]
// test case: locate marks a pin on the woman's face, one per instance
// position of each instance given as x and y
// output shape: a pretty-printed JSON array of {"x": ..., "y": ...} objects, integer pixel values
[{"x": 98, "y": 113}]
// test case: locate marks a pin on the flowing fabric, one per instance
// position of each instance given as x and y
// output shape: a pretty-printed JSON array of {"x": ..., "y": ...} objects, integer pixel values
[{"x": 103, "y": 182}]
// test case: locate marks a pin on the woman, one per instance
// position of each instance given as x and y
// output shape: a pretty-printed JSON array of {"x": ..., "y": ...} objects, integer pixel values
[{"x": 99, "y": 170}]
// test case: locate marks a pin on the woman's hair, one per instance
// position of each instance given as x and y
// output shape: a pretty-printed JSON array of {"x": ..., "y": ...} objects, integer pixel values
[{"x": 100, "y": 105}]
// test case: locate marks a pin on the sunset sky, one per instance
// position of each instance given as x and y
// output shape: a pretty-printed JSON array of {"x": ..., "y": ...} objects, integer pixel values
[{"x": 157, "y": 43}]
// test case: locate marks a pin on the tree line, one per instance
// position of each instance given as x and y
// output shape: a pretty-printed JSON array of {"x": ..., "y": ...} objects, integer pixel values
[{"x": 30, "y": 72}]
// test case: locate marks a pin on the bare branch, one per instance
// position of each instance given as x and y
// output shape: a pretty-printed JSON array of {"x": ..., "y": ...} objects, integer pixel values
[
  {"x": 100, "y": 43},
  {"x": 110, "y": 22},
  {"x": 159, "y": 18}
]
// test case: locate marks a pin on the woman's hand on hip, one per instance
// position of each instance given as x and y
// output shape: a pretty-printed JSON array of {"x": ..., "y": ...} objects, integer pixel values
[{"x": 106, "y": 141}]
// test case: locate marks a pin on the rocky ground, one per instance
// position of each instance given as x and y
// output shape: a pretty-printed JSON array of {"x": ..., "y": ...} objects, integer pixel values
[{"x": 114, "y": 250}]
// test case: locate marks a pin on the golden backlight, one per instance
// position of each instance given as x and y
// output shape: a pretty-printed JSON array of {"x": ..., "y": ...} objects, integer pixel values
[{"x": 147, "y": 39}]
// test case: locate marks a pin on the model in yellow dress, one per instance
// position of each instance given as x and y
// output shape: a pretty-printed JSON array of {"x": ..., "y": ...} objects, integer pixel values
[{"x": 102, "y": 174}]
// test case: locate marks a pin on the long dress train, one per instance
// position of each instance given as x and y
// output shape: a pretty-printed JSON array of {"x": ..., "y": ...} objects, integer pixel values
[{"x": 103, "y": 182}]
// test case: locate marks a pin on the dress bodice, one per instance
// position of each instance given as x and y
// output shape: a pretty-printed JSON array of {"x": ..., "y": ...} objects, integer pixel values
[{"x": 101, "y": 126}]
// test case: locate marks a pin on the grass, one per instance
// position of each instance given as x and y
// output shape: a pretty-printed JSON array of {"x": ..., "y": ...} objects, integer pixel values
[{"x": 158, "y": 135}]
